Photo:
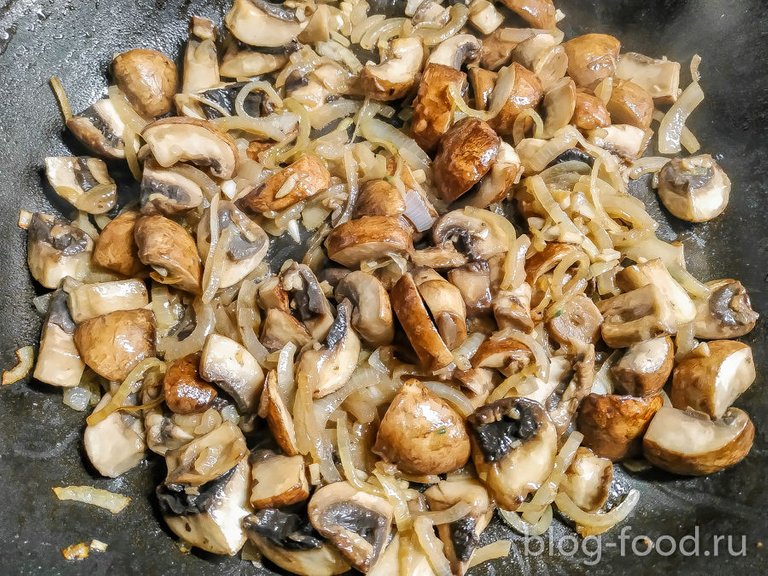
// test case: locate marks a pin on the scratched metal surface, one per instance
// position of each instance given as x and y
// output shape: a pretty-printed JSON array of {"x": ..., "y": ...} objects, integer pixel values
[{"x": 40, "y": 443}]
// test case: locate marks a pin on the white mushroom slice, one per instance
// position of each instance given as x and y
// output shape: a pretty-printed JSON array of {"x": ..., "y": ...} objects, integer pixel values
[
  {"x": 180, "y": 139},
  {"x": 623, "y": 139},
  {"x": 100, "y": 129},
  {"x": 210, "y": 520},
  {"x": 559, "y": 105},
  {"x": 232, "y": 368},
  {"x": 372, "y": 314},
  {"x": 660, "y": 78},
  {"x": 456, "y": 50},
  {"x": 277, "y": 480},
  {"x": 56, "y": 249},
  {"x": 207, "y": 457},
  {"x": 445, "y": 304},
  {"x": 656, "y": 273},
  {"x": 264, "y": 24},
  {"x": 694, "y": 189},
  {"x": 168, "y": 191},
  {"x": 273, "y": 409},
  {"x": 328, "y": 367},
  {"x": 82, "y": 181},
  {"x": 484, "y": 16},
  {"x": 201, "y": 62},
  {"x": 711, "y": 377},
  {"x": 307, "y": 299},
  {"x": 727, "y": 313},
  {"x": 394, "y": 77},
  {"x": 635, "y": 316},
  {"x": 645, "y": 367},
  {"x": 58, "y": 361},
  {"x": 471, "y": 235},
  {"x": 588, "y": 480},
  {"x": 689, "y": 443},
  {"x": 87, "y": 301},
  {"x": 356, "y": 522},
  {"x": 116, "y": 444}
]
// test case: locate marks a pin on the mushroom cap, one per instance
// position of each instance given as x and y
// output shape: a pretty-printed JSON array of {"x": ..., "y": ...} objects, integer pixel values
[
  {"x": 116, "y": 444},
  {"x": 613, "y": 425},
  {"x": 727, "y": 313},
  {"x": 379, "y": 198},
  {"x": 456, "y": 50},
  {"x": 470, "y": 234},
  {"x": 694, "y": 189},
  {"x": 645, "y": 366},
  {"x": 168, "y": 191},
  {"x": 230, "y": 366},
  {"x": 368, "y": 238},
  {"x": 113, "y": 344},
  {"x": 115, "y": 248},
  {"x": 263, "y": 24},
  {"x": 279, "y": 419},
  {"x": 100, "y": 129},
  {"x": 537, "y": 13},
  {"x": 170, "y": 250},
  {"x": 577, "y": 323},
  {"x": 591, "y": 58},
  {"x": 630, "y": 104},
  {"x": 445, "y": 304},
  {"x": 590, "y": 112},
  {"x": 56, "y": 249},
  {"x": 635, "y": 316},
  {"x": 689, "y": 443},
  {"x": 395, "y": 76},
  {"x": 185, "y": 392},
  {"x": 421, "y": 433},
  {"x": 148, "y": 78},
  {"x": 588, "y": 480},
  {"x": 711, "y": 377},
  {"x": 372, "y": 314},
  {"x": 503, "y": 353},
  {"x": 526, "y": 93},
  {"x": 433, "y": 107}
]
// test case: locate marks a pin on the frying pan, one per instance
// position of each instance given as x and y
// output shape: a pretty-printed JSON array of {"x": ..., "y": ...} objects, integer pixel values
[{"x": 40, "y": 439}]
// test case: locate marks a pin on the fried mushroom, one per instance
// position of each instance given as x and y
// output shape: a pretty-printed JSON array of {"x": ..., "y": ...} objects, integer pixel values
[
  {"x": 645, "y": 366},
  {"x": 148, "y": 78},
  {"x": 394, "y": 77},
  {"x": 694, "y": 189},
  {"x": 115, "y": 248},
  {"x": 171, "y": 252},
  {"x": 433, "y": 107},
  {"x": 592, "y": 58},
  {"x": 372, "y": 313},
  {"x": 56, "y": 249},
  {"x": 726, "y": 313}
]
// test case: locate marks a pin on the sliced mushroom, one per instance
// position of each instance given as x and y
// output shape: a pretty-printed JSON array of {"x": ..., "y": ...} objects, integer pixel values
[
  {"x": 290, "y": 542},
  {"x": 592, "y": 58},
  {"x": 635, "y": 316},
  {"x": 464, "y": 155},
  {"x": 588, "y": 480},
  {"x": 239, "y": 62},
  {"x": 499, "y": 182},
  {"x": 431, "y": 12},
  {"x": 445, "y": 304},
  {"x": 356, "y": 522},
  {"x": 656, "y": 273},
  {"x": 185, "y": 392},
  {"x": 372, "y": 312},
  {"x": 537, "y": 13},
  {"x": 526, "y": 93},
  {"x": 660, "y": 78},
  {"x": 264, "y": 24},
  {"x": 645, "y": 367},
  {"x": 113, "y": 344},
  {"x": 58, "y": 361},
  {"x": 379, "y": 198},
  {"x": 212, "y": 518},
  {"x": 272, "y": 408},
  {"x": 461, "y": 537},
  {"x": 694, "y": 189},
  {"x": 232, "y": 368},
  {"x": 727, "y": 313},
  {"x": 590, "y": 112},
  {"x": 576, "y": 324},
  {"x": 277, "y": 480},
  {"x": 280, "y": 327},
  {"x": 181, "y": 139},
  {"x": 625, "y": 140},
  {"x": 421, "y": 433},
  {"x": 307, "y": 299},
  {"x": 82, "y": 181},
  {"x": 368, "y": 238},
  {"x": 304, "y": 178},
  {"x": 504, "y": 353},
  {"x": 559, "y": 105},
  {"x": 498, "y": 47},
  {"x": 512, "y": 308},
  {"x": 87, "y": 301},
  {"x": 116, "y": 249},
  {"x": 116, "y": 444},
  {"x": 576, "y": 390},
  {"x": 201, "y": 61},
  {"x": 168, "y": 191},
  {"x": 689, "y": 443},
  {"x": 613, "y": 425},
  {"x": 419, "y": 328},
  {"x": 482, "y": 82},
  {"x": 100, "y": 129},
  {"x": 433, "y": 107},
  {"x": 630, "y": 104},
  {"x": 148, "y": 78},
  {"x": 394, "y": 77},
  {"x": 328, "y": 367},
  {"x": 484, "y": 16},
  {"x": 56, "y": 249},
  {"x": 474, "y": 282},
  {"x": 389, "y": 562},
  {"x": 455, "y": 51},
  {"x": 514, "y": 445},
  {"x": 711, "y": 377},
  {"x": 170, "y": 250}
]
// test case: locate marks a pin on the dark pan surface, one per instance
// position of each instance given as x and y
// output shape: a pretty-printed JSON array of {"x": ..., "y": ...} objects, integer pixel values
[{"x": 40, "y": 439}]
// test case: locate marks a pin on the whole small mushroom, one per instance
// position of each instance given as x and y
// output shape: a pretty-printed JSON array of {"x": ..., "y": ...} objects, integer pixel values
[
  {"x": 694, "y": 189},
  {"x": 726, "y": 313},
  {"x": 148, "y": 78}
]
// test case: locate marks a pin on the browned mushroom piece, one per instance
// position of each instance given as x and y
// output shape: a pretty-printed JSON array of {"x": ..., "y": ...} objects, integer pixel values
[
  {"x": 278, "y": 417},
  {"x": 514, "y": 445},
  {"x": 379, "y": 198},
  {"x": 394, "y": 77},
  {"x": 421, "y": 433},
  {"x": 660, "y": 78},
  {"x": 497, "y": 49},
  {"x": 558, "y": 105},
  {"x": 185, "y": 392},
  {"x": 537, "y": 13},
  {"x": 466, "y": 232},
  {"x": 482, "y": 82},
  {"x": 148, "y": 78},
  {"x": 635, "y": 316},
  {"x": 526, "y": 93},
  {"x": 171, "y": 252},
  {"x": 57, "y": 249},
  {"x": 500, "y": 181},
  {"x": 576, "y": 324},
  {"x": 694, "y": 189},
  {"x": 690, "y": 444},
  {"x": 590, "y": 112},
  {"x": 656, "y": 273},
  {"x": 613, "y": 425},
  {"x": 588, "y": 480},
  {"x": 278, "y": 480},
  {"x": 726, "y": 313},
  {"x": 280, "y": 327},
  {"x": 368, "y": 238},
  {"x": 113, "y": 344},
  {"x": 419, "y": 328},
  {"x": 115, "y": 248},
  {"x": 445, "y": 304},
  {"x": 304, "y": 178},
  {"x": 592, "y": 58},
  {"x": 464, "y": 155},
  {"x": 474, "y": 282},
  {"x": 433, "y": 107},
  {"x": 512, "y": 308},
  {"x": 504, "y": 353},
  {"x": 630, "y": 104},
  {"x": 645, "y": 366},
  {"x": 372, "y": 313},
  {"x": 712, "y": 376}
]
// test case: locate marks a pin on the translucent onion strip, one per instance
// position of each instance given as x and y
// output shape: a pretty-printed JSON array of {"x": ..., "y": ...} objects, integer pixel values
[
  {"x": 345, "y": 453},
  {"x": 25, "y": 357},
  {"x": 498, "y": 549},
  {"x": 539, "y": 353},
  {"x": 458, "y": 17},
  {"x": 432, "y": 546},
  {"x": 377, "y": 132},
  {"x": 447, "y": 516},
  {"x": 452, "y": 396},
  {"x": 261, "y": 85},
  {"x": 671, "y": 126},
  {"x": 61, "y": 96},
  {"x": 96, "y": 496},
  {"x": 590, "y": 524},
  {"x": 131, "y": 384},
  {"x": 515, "y": 522}
]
